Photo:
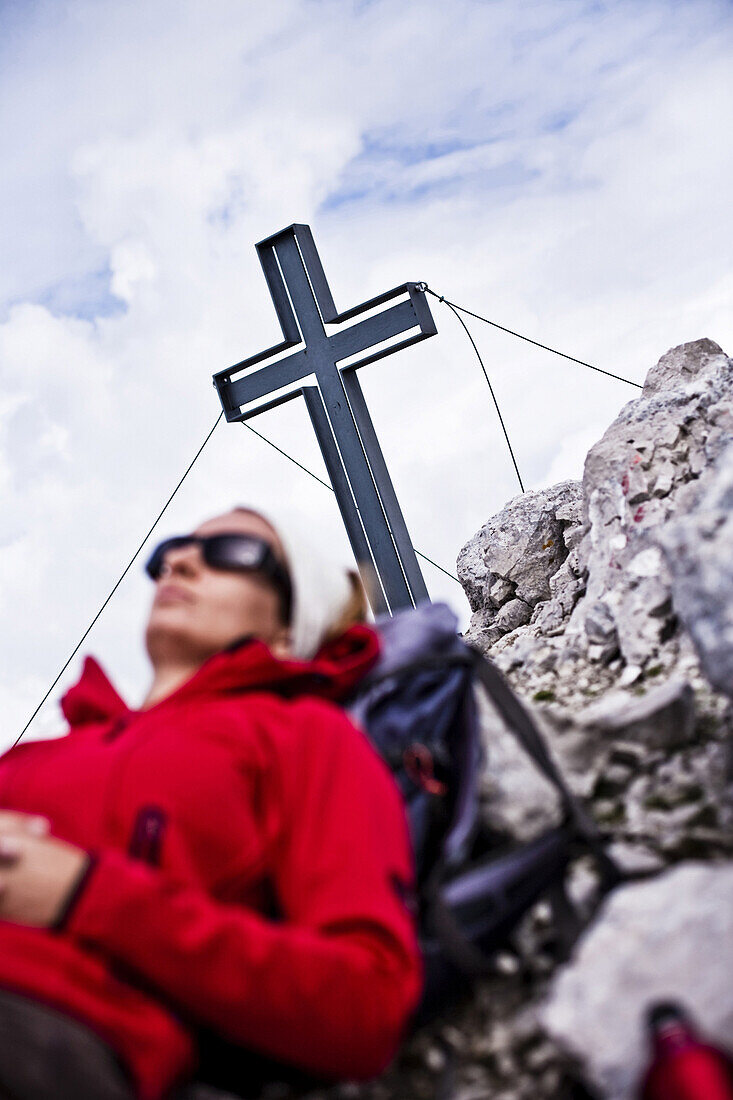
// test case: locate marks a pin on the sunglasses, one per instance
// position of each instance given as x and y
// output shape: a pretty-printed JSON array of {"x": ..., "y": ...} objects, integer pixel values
[{"x": 239, "y": 553}]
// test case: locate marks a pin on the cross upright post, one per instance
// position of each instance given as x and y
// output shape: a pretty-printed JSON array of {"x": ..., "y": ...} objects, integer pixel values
[{"x": 366, "y": 498}]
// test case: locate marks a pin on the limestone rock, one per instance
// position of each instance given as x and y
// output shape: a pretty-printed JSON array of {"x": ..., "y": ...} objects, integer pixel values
[
  {"x": 622, "y": 660},
  {"x": 513, "y": 614},
  {"x": 663, "y": 939},
  {"x": 514, "y": 556},
  {"x": 517, "y": 799},
  {"x": 683, "y": 364},
  {"x": 664, "y": 718},
  {"x": 680, "y": 804},
  {"x": 698, "y": 548},
  {"x": 632, "y": 479}
]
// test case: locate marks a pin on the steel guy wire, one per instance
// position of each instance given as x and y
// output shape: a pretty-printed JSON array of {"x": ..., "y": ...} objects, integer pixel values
[
  {"x": 124, "y": 573},
  {"x": 491, "y": 391},
  {"x": 325, "y": 484},
  {"x": 289, "y": 457},
  {"x": 441, "y": 297}
]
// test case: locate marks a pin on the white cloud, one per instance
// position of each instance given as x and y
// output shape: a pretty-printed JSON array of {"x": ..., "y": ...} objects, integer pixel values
[{"x": 562, "y": 166}]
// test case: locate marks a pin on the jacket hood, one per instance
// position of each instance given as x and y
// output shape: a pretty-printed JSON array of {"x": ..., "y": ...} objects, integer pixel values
[{"x": 248, "y": 665}]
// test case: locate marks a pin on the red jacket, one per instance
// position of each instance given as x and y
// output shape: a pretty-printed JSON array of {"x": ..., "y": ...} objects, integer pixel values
[{"x": 240, "y": 787}]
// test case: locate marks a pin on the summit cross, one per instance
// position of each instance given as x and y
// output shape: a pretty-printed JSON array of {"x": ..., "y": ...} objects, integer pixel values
[{"x": 354, "y": 460}]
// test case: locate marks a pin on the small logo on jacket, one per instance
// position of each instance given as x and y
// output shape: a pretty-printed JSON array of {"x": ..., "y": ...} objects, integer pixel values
[{"x": 147, "y": 835}]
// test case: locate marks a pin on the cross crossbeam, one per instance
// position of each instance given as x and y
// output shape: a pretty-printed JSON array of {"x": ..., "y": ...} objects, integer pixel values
[{"x": 359, "y": 476}]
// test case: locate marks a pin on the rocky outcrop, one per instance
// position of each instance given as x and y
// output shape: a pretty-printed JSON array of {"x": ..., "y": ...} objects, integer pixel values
[
  {"x": 627, "y": 658},
  {"x": 600, "y": 539},
  {"x": 506, "y": 569},
  {"x": 631, "y": 624},
  {"x": 608, "y": 604}
]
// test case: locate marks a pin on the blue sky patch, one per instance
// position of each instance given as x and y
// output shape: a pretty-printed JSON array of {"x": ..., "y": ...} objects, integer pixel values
[{"x": 87, "y": 297}]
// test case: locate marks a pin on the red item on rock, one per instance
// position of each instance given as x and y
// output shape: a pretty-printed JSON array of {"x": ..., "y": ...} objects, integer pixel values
[
  {"x": 683, "y": 1067},
  {"x": 244, "y": 788}
]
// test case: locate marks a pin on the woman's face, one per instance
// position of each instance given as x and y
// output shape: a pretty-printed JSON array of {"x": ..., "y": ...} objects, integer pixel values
[{"x": 198, "y": 611}]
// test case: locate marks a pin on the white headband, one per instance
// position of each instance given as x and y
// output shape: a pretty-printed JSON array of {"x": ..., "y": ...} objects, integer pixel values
[{"x": 321, "y": 584}]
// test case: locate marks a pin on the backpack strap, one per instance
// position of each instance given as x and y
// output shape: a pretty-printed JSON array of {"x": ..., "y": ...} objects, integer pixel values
[
  {"x": 522, "y": 725},
  {"x": 467, "y": 958},
  {"x": 567, "y": 920},
  {"x": 473, "y": 962},
  {"x": 473, "y": 913}
]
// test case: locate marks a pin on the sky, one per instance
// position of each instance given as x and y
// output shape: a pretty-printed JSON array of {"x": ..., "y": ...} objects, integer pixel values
[{"x": 562, "y": 167}]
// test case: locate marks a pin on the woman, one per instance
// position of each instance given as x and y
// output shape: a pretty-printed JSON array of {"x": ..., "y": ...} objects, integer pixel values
[{"x": 229, "y": 859}]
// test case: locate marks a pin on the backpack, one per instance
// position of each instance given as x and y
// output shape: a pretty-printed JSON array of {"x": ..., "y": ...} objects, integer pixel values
[{"x": 418, "y": 707}]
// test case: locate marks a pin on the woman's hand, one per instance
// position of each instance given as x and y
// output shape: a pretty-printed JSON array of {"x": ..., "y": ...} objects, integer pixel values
[{"x": 37, "y": 871}]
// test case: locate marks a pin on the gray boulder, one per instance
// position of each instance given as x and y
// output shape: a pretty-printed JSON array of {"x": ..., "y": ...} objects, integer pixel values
[
  {"x": 683, "y": 364},
  {"x": 698, "y": 548},
  {"x": 664, "y": 718},
  {"x": 506, "y": 567},
  {"x": 634, "y": 482},
  {"x": 669, "y": 938}
]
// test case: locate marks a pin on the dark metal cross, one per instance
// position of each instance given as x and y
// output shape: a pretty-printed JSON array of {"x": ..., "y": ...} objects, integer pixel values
[{"x": 338, "y": 412}]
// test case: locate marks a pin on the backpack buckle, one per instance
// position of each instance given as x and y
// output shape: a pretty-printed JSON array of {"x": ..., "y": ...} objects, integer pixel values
[{"x": 419, "y": 765}]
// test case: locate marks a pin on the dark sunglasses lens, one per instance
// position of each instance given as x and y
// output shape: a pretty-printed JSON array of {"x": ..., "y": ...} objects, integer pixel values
[
  {"x": 233, "y": 552},
  {"x": 252, "y": 554},
  {"x": 229, "y": 552},
  {"x": 156, "y": 559}
]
